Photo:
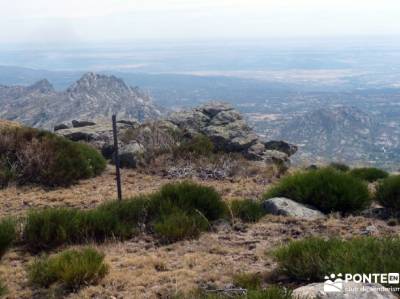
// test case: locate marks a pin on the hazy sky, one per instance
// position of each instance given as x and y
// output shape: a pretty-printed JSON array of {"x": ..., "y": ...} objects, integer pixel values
[{"x": 70, "y": 21}]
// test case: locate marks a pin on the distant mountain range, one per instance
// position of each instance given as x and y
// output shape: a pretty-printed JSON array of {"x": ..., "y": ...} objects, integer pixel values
[
  {"x": 92, "y": 97},
  {"x": 341, "y": 133}
]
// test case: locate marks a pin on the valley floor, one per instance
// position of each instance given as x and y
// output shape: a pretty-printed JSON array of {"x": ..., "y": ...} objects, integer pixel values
[{"x": 141, "y": 268}]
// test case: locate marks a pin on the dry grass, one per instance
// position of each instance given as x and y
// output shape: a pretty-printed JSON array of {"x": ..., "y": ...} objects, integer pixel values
[
  {"x": 9, "y": 124},
  {"x": 89, "y": 193},
  {"x": 141, "y": 268}
]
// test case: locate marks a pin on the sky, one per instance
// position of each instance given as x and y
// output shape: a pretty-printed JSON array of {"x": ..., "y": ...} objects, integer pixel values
[{"x": 90, "y": 21}]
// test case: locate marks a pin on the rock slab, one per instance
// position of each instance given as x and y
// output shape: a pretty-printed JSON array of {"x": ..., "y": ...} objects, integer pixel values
[{"x": 288, "y": 207}]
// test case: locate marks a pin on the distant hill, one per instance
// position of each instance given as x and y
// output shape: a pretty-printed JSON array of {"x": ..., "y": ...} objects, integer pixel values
[
  {"x": 92, "y": 97},
  {"x": 341, "y": 133}
]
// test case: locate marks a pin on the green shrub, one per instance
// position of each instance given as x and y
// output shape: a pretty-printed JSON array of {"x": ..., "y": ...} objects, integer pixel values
[
  {"x": 327, "y": 189},
  {"x": 8, "y": 234},
  {"x": 33, "y": 156},
  {"x": 313, "y": 258},
  {"x": 49, "y": 228},
  {"x": 71, "y": 268},
  {"x": 247, "y": 210},
  {"x": 249, "y": 281},
  {"x": 189, "y": 197},
  {"x": 180, "y": 225},
  {"x": 369, "y": 174},
  {"x": 178, "y": 211},
  {"x": 388, "y": 193},
  {"x": 53, "y": 227},
  {"x": 199, "y": 145},
  {"x": 3, "y": 289},
  {"x": 339, "y": 166}
]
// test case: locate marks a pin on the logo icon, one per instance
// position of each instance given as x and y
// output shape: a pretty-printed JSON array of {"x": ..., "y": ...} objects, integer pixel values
[
  {"x": 333, "y": 283},
  {"x": 394, "y": 278}
]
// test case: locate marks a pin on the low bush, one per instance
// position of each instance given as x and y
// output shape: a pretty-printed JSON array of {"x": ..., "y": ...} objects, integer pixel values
[
  {"x": 327, "y": 189},
  {"x": 53, "y": 227},
  {"x": 8, "y": 234},
  {"x": 249, "y": 281},
  {"x": 183, "y": 210},
  {"x": 199, "y": 145},
  {"x": 3, "y": 289},
  {"x": 313, "y": 258},
  {"x": 39, "y": 157},
  {"x": 369, "y": 174},
  {"x": 178, "y": 211},
  {"x": 247, "y": 210},
  {"x": 388, "y": 193},
  {"x": 180, "y": 225},
  {"x": 189, "y": 197},
  {"x": 339, "y": 166},
  {"x": 71, "y": 268},
  {"x": 49, "y": 228}
]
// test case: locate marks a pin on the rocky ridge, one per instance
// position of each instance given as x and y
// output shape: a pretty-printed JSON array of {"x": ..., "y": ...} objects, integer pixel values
[
  {"x": 220, "y": 122},
  {"x": 92, "y": 97}
]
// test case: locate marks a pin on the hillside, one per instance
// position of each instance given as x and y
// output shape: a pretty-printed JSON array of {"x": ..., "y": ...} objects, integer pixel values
[
  {"x": 91, "y": 97},
  {"x": 339, "y": 133}
]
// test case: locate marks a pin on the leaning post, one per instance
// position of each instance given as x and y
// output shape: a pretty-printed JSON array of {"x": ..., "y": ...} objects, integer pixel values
[{"x": 116, "y": 157}]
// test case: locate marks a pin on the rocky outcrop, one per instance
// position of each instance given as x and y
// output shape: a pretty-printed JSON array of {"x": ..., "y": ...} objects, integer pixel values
[
  {"x": 230, "y": 133},
  {"x": 288, "y": 207},
  {"x": 347, "y": 290},
  {"x": 224, "y": 126}
]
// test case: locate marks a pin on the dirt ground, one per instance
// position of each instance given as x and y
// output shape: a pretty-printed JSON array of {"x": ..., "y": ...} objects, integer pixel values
[{"x": 140, "y": 268}]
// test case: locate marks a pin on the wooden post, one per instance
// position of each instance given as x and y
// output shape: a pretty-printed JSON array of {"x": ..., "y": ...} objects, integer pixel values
[{"x": 116, "y": 157}]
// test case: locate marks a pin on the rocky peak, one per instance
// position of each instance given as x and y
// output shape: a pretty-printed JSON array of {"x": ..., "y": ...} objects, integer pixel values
[
  {"x": 90, "y": 82},
  {"x": 42, "y": 86}
]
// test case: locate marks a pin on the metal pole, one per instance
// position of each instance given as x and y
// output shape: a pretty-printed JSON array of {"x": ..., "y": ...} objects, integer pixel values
[{"x": 116, "y": 157}]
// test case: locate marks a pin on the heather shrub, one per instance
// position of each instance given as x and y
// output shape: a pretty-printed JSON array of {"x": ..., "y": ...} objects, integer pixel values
[
  {"x": 199, "y": 145},
  {"x": 339, "y": 166},
  {"x": 49, "y": 228},
  {"x": 327, "y": 189},
  {"x": 247, "y": 210},
  {"x": 53, "y": 227},
  {"x": 8, "y": 234},
  {"x": 369, "y": 174},
  {"x": 3, "y": 289},
  {"x": 249, "y": 281},
  {"x": 313, "y": 258},
  {"x": 178, "y": 211},
  {"x": 189, "y": 197},
  {"x": 33, "y": 156},
  {"x": 388, "y": 193},
  {"x": 179, "y": 225},
  {"x": 71, "y": 268}
]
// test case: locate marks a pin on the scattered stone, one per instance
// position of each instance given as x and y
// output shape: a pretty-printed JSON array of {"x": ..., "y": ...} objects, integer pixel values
[
  {"x": 370, "y": 230},
  {"x": 288, "y": 207},
  {"x": 349, "y": 290},
  {"x": 80, "y": 124},
  {"x": 60, "y": 127},
  {"x": 281, "y": 146}
]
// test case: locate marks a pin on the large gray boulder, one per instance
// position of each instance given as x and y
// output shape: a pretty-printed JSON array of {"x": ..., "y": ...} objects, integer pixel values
[
  {"x": 288, "y": 207},
  {"x": 229, "y": 132},
  {"x": 348, "y": 290}
]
